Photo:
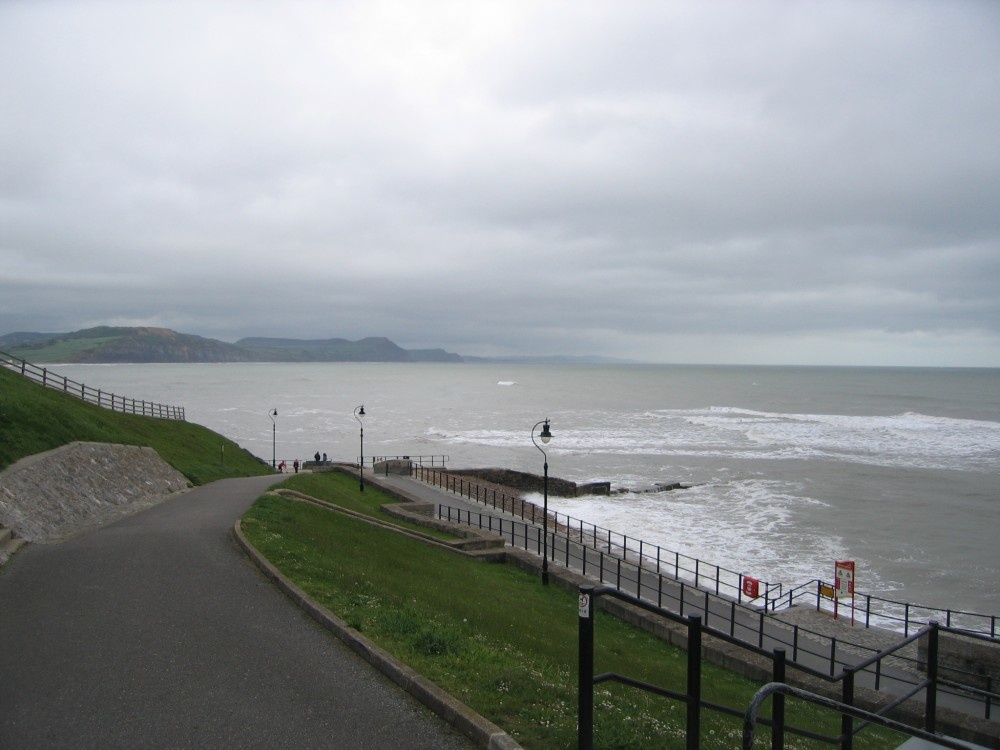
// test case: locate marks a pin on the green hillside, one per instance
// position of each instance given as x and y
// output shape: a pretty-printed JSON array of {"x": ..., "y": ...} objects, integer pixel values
[
  {"x": 34, "y": 419},
  {"x": 123, "y": 344}
]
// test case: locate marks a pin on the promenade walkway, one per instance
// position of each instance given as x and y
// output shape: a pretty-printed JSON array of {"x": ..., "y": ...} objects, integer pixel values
[{"x": 158, "y": 632}]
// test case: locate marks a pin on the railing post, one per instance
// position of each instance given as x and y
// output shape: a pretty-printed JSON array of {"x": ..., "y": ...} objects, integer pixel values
[
  {"x": 778, "y": 703},
  {"x": 585, "y": 668},
  {"x": 694, "y": 683},
  {"x": 930, "y": 720},
  {"x": 846, "y": 723}
]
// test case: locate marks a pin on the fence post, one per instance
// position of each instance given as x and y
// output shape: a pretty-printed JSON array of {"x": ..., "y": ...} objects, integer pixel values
[
  {"x": 694, "y": 683},
  {"x": 778, "y": 703},
  {"x": 846, "y": 723},
  {"x": 930, "y": 720},
  {"x": 585, "y": 667}
]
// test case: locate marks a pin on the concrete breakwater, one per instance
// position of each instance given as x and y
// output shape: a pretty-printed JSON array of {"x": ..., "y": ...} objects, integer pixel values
[{"x": 525, "y": 482}]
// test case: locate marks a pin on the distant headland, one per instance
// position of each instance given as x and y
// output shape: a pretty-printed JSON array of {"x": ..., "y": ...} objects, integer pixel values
[
  {"x": 106, "y": 344},
  {"x": 111, "y": 344}
]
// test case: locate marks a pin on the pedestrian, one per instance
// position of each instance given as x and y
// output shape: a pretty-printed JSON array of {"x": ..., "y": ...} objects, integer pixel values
[
  {"x": 295, "y": 465},
  {"x": 324, "y": 458},
  {"x": 316, "y": 456},
  {"x": 281, "y": 467}
]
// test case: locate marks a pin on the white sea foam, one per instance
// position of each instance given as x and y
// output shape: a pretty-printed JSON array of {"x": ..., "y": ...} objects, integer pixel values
[
  {"x": 904, "y": 440},
  {"x": 749, "y": 526}
]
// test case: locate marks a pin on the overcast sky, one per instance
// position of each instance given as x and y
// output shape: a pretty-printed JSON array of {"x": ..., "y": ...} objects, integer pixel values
[{"x": 718, "y": 182}]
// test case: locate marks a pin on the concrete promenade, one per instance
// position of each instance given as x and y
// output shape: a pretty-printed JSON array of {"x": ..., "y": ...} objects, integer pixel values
[{"x": 158, "y": 632}]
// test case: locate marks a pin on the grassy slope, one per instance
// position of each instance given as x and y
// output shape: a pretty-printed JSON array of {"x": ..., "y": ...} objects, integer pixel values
[
  {"x": 61, "y": 351},
  {"x": 35, "y": 419},
  {"x": 495, "y": 638}
]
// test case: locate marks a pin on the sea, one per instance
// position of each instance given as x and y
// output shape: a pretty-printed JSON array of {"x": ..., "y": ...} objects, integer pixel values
[{"x": 788, "y": 469}]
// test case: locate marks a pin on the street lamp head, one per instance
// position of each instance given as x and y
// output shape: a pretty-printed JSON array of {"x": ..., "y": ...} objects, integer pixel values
[
  {"x": 546, "y": 436},
  {"x": 273, "y": 412}
]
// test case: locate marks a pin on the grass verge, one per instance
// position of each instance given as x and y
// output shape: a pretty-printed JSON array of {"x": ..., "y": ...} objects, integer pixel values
[
  {"x": 341, "y": 489},
  {"x": 496, "y": 639},
  {"x": 34, "y": 419}
]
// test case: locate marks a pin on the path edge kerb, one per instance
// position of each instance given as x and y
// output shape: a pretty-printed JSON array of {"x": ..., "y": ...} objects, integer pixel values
[{"x": 481, "y": 731}]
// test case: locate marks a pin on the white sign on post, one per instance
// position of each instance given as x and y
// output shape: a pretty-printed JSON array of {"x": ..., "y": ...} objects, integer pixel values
[
  {"x": 844, "y": 573},
  {"x": 584, "y": 605}
]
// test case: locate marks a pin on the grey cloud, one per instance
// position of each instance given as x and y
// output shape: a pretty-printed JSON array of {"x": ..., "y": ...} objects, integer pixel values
[{"x": 668, "y": 182}]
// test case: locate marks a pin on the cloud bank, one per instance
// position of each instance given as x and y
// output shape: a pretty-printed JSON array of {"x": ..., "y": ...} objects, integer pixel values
[{"x": 763, "y": 182}]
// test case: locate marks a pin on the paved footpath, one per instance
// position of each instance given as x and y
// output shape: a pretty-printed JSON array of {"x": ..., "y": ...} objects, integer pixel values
[{"x": 158, "y": 632}]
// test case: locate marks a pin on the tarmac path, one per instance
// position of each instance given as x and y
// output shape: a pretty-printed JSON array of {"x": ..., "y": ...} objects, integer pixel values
[{"x": 158, "y": 632}]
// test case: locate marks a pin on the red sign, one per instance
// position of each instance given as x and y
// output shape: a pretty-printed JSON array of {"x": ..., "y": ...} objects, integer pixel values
[{"x": 751, "y": 587}]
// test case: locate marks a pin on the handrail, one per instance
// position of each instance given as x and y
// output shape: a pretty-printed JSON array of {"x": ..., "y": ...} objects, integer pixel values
[
  {"x": 703, "y": 574},
  {"x": 901, "y": 616},
  {"x": 777, "y": 688},
  {"x": 692, "y": 696},
  {"x": 43, "y": 377},
  {"x": 433, "y": 459}
]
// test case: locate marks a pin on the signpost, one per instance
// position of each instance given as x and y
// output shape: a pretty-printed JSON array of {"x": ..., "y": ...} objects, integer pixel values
[{"x": 844, "y": 577}]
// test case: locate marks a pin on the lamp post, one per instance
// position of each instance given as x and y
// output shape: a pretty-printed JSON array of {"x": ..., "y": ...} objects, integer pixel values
[
  {"x": 358, "y": 413},
  {"x": 545, "y": 437},
  {"x": 272, "y": 414}
]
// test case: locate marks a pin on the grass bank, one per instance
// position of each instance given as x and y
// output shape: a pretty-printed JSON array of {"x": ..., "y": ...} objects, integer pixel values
[
  {"x": 492, "y": 636},
  {"x": 34, "y": 419}
]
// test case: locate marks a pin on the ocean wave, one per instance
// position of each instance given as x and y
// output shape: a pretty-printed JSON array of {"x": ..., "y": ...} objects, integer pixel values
[
  {"x": 750, "y": 526},
  {"x": 907, "y": 440}
]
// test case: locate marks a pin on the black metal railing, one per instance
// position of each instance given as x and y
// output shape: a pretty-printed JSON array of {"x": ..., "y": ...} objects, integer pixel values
[
  {"x": 432, "y": 460},
  {"x": 929, "y": 685},
  {"x": 44, "y": 377},
  {"x": 873, "y": 612}
]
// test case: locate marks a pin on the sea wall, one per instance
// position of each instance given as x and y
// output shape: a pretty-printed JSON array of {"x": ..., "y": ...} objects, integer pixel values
[
  {"x": 81, "y": 486},
  {"x": 525, "y": 482}
]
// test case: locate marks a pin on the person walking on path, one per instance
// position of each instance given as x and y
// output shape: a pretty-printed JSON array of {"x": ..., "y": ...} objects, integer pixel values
[{"x": 157, "y": 632}]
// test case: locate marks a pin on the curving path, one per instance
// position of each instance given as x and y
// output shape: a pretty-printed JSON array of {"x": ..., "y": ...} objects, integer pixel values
[{"x": 158, "y": 632}]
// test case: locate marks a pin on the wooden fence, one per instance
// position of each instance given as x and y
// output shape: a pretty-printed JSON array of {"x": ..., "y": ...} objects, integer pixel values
[{"x": 42, "y": 376}]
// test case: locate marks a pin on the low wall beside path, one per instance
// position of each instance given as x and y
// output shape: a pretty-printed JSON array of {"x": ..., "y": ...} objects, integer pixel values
[{"x": 79, "y": 487}]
